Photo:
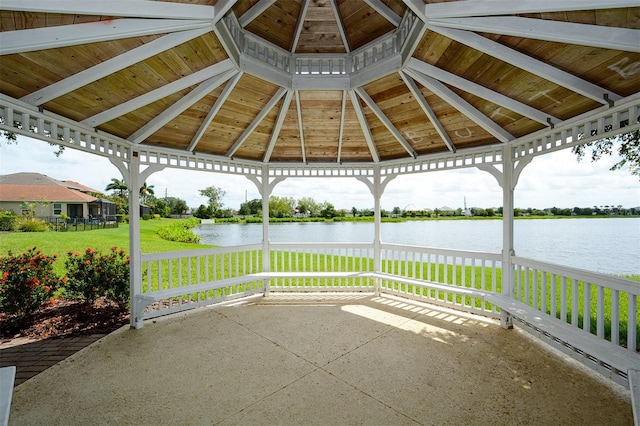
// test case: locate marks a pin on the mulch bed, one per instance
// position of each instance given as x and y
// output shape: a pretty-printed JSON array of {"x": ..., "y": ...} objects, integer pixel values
[{"x": 66, "y": 318}]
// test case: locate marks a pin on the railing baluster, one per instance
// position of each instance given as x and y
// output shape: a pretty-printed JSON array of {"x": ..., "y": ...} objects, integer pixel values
[
  {"x": 631, "y": 323},
  {"x": 615, "y": 317},
  {"x": 600, "y": 311},
  {"x": 586, "y": 308}
]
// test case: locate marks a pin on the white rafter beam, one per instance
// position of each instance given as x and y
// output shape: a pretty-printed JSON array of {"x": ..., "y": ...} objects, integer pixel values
[
  {"x": 132, "y": 8},
  {"x": 456, "y": 9},
  {"x": 159, "y": 93},
  {"x": 254, "y": 12},
  {"x": 385, "y": 11},
  {"x": 461, "y": 105},
  {"x": 284, "y": 108},
  {"x": 214, "y": 111},
  {"x": 70, "y": 35},
  {"x": 300, "y": 24},
  {"x": 111, "y": 66},
  {"x": 341, "y": 28},
  {"x": 202, "y": 90},
  {"x": 529, "y": 64},
  {"x": 385, "y": 121},
  {"x": 362, "y": 119},
  {"x": 625, "y": 39},
  {"x": 342, "y": 118},
  {"x": 482, "y": 92},
  {"x": 417, "y": 94},
  {"x": 256, "y": 121},
  {"x": 300, "y": 127}
]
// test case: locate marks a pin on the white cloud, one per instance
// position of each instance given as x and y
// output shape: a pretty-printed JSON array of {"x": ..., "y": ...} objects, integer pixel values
[{"x": 551, "y": 180}]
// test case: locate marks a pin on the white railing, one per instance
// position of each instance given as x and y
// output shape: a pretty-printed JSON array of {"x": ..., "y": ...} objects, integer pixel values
[
  {"x": 322, "y": 266},
  {"x": 456, "y": 268},
  {"x": 176, "y": 281},
  {"x": 603, "y": 305}
]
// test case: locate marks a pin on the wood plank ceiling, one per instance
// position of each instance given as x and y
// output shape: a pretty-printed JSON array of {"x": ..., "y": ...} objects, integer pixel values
[{"x": 473, "y": 76}]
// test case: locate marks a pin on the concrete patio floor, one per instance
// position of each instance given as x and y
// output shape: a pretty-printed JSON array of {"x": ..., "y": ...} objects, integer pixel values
[{"x": 319, "y": 359}]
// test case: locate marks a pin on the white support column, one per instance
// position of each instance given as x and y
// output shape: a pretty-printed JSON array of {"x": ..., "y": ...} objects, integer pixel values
[
  {"x": 377, "y": 188},
  {"x": 265, "y": 187},
  {"x": 134, "y": 179},
  {"x": 508, "y": 185},
  {"x": 377, "y": 240},
  {"x": 135, "y": 253}
]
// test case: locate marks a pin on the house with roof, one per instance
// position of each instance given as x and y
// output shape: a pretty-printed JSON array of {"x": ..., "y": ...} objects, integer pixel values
[{"x": 51, "y": 197}]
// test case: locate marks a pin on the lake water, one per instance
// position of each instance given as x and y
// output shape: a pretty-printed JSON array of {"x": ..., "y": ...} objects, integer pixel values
[{"x": 602, "y": 245}]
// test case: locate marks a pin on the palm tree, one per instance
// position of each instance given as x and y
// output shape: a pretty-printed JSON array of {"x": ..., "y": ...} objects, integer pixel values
[
  {"x": 117, "y": 185},
  {"x": 145, "y": 191}
]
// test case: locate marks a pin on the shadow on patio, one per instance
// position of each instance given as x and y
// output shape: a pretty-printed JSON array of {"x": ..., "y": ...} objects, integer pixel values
[{"x": 319, "y": 359}]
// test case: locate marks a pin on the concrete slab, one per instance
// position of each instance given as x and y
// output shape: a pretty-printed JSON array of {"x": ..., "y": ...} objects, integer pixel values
[{"x": 342, "y": 361}]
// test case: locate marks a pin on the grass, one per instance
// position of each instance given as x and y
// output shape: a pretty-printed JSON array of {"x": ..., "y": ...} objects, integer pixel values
[{"x": 101, "y": 240}]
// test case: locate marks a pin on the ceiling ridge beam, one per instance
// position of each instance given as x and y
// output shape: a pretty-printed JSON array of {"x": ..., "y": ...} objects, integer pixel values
[
  {"x": 111, "y": 66},
  {"x": 214, "y": 110},
  {"x": 529, "y": 64},
  {"x": 202, "y": 90},
  {"x": 300, "y": 127},
  {"x": 340, "y": 23},
  {"x": 458, "y": 9},
  {"x": 300, "y": 24},
  {"x": 482, "y": 92},
  {"x": 413, "y": 87},
  {"x": 254, "y": 12},
  {"x": 132, "y": 8},
  {"x": 343, "y": 110},
  {"x": 282, "y": 114},
  {"x": 21, "y": 41},
  {"x": 461, "y": 105},
  {"x": 616, "y": 38},
  {"x": 256, "y": 121},
  {"x": 385, "y": 11},
  {"x": 362, "y": 119},
  {"x": 386, "y": 121},
  {"x": 159, "y": 93}
]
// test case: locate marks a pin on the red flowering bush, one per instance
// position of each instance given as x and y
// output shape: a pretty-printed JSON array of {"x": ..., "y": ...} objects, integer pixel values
[
  {"x": 91, "y": 275},
  {"x": 26, "y": 282}
]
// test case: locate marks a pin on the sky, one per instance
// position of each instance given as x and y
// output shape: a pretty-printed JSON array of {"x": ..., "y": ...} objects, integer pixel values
[{"x": 552, "y": 180}]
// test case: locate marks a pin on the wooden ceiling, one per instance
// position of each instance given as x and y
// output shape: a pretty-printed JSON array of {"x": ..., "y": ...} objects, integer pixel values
[{"x": 471, "y": 77}]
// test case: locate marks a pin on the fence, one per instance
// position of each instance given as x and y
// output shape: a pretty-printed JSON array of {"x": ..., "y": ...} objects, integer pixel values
[{"x": 59, "y": 224}]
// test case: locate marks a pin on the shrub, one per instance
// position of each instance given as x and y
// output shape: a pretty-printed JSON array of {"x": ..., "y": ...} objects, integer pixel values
[
  {"x": 27, "y": 282},
  {"x": 180, "y": 231},
  {"x": 8, "y": 220},
  {"x": 92, "y": 275},
  {"x": 31, "y": 224},
  {"x": 146, "y": 216}
]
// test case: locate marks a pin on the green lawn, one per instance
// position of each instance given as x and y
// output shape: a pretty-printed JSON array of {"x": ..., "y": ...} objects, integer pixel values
[{"x": 101, "y": 240}]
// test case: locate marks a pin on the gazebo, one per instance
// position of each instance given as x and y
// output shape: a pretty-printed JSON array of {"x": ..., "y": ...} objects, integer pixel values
[{"x": 367, "y": 89}]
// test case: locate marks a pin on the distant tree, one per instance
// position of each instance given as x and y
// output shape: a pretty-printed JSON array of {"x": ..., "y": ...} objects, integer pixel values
[
  {"x": 328, "y": 211},
  {"x": 177, "y": 206},
  {"x": 354, "y": 211},
  {"x": 396, "y": 211},
  {"x": 253, "y": 207},
  {"x": 159, "y": 206},
  {"x": 117, "y": 185},
  {"x": 281, "y": 206},
  {"x": 628, "y": 147},
  {"x": 215, "y": 196},
  {"x": 308, "y": 205},
  {"x": 203, "y": 212},
  {"x": 145, "y": 192}
]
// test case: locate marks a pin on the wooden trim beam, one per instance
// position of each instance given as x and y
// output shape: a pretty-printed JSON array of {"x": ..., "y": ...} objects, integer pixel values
[
  {"x": 341, "y": 28},
  {"x": 461, "y": 105},
  {"x": 300, "y": 24},
  {"x": 481, "y": 91},
  {"x": 413, "y": 87},
  {"x": 256, "y": 121},
  {"x": 111, "y": 66},
  {"x": 385, "y": 121},
  {"x": 625, "y": 39},
  {"x": 284, "y": 108},
  {"x": 131, "y": 8},
  {"x": 457, "y": 9},
  {"x": 529, "y": 64},
  {"x": 385, "y": 11},
  {"x": 179, "y": 107},
  {"x": 362, "y": 119},
  {"x": 159, "y": 93},
  {"x": 214, "y": 111},
  {"x": 254, "y": 12}
]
